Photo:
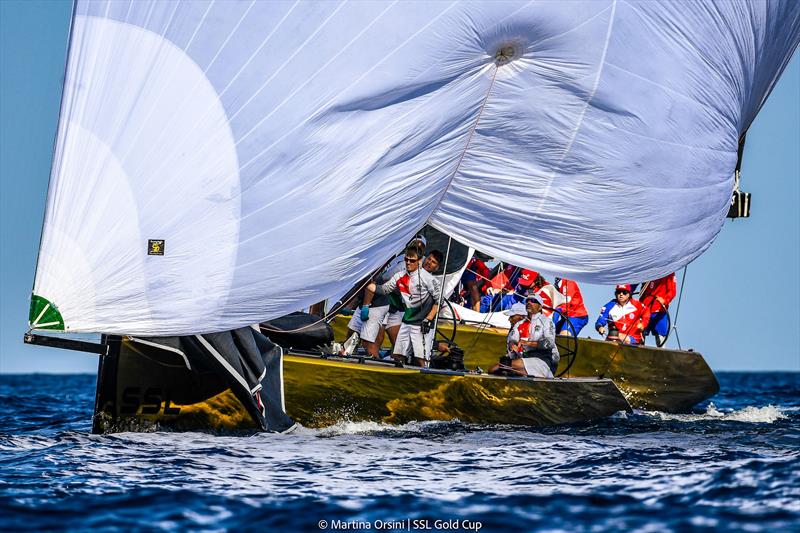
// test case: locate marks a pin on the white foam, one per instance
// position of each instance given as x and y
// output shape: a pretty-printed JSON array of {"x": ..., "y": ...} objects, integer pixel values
[
  {"x": 357, "y": 428},
  {"x": 760, "y": 415}
]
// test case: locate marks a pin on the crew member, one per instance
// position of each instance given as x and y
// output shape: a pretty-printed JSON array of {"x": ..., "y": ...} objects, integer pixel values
[
  {"x": 419, "y": 290},
  {"x": 475, "y": 276},
  {"x": 538, "y": 340},
  {"x": 656, "y": 295},
  {"x": 511, "y": 362},
  {"x": 572, "y": 310},
  {"x": 624, "y": 317},
  {"x": 390, "y": 320}
]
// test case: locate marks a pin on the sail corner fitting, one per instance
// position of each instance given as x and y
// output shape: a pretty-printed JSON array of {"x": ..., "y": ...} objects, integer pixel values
[{"x": 44, "y": 315}]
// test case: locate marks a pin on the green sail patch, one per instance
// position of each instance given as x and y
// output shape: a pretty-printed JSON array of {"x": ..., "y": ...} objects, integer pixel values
[{"x": 44, "y": 315}]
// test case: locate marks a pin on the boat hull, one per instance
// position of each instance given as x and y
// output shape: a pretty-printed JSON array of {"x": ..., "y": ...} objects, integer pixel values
[
  {"x": 321, "y": 392},
  {"x": 655, "y": 379},
  {"x": 144, "y": 388}
]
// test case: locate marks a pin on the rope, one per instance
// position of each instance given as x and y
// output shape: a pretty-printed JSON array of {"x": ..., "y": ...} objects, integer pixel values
[
  {"x": 332, "y": 312},
  {"x": 441, "y": 291},
  {"x": 678, "y": 308}
]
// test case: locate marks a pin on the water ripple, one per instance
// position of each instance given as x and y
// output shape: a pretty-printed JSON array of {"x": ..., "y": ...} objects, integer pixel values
[{"x": 733, "y": 464}]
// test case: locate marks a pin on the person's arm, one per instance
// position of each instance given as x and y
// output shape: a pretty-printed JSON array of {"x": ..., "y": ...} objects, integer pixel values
[
  {"x": 672, "y": 290},
  {"x": 602, "y": 320},
  {"x": 644, "y": 319},
  {"x": 373, "y": 289}
]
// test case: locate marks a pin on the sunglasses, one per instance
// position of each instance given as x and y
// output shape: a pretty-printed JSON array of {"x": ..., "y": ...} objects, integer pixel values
[
  {"x": 409, "y": 260},
  {"x": 622, "y": 292}
]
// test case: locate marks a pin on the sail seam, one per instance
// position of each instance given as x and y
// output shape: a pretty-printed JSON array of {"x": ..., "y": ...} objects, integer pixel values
[{"x": 466, "y": 146}]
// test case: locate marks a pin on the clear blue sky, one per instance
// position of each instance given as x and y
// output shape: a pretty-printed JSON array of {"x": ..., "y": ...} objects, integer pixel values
[{"x": 741, "y": 303}]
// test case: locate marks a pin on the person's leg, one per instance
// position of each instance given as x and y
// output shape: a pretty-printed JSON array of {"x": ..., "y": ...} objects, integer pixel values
[
  {"x": 475, "y": 295},
  {"x": 660, "y": 323},
  {"x": 393, "y": 321},
  {"x": 518, "y": 366},
  {"x": 418, "y": 345},
  {"x": 578, "y": 323},
  {"x": 403, "y": 345},
  {"x": 392, "y": 332},
  {"x": 371, "y": 328}
]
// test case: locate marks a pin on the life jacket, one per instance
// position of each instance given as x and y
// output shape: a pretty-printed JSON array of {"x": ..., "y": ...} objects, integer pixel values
[
  {"x": 626, "y": 317},
  {"x": 665, "y": 287},
  {"x": 574, "y": 306}
]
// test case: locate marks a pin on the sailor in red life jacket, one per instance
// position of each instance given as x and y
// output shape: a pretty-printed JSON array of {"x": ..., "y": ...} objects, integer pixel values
[
  {"x": 625, "y": 317},
  {"x": 573, "y": 310},
  {"x": 657, "y": 295},
  {"x": 419, "y": 290}
]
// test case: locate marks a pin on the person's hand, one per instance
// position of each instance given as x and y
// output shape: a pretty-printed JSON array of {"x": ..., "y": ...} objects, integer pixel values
[
  {"x": 426, "y": 326},
  {"x": 660, "y": 300},
  {"x": 364, "y": 313},
  {"x": 601, "y": 330}
]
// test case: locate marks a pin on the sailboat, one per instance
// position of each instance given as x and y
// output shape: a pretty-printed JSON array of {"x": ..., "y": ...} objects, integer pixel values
[{"x": 218, "y": 165}]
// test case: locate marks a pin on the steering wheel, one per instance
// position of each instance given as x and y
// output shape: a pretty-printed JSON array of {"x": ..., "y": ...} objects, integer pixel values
[
  {"x": 446, "y": 322},
  {"x": 567, "y": 344},
  {"x": 661, "y": 341}
]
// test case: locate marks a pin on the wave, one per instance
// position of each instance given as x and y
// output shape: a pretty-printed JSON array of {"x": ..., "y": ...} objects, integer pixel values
[{"x": 757, "y": 415}]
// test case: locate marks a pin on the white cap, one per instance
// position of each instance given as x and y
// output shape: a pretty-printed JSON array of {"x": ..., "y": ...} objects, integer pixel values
[
  {"x": 536, "y": 298},
  {"x": 420, "y": 238},
  {"x": 516, "y": 309}
]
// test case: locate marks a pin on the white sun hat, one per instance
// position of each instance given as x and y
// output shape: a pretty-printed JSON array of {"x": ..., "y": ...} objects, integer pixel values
[{"x": 516, "y": 309}]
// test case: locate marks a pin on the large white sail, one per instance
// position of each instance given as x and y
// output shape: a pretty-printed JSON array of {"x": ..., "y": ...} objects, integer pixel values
[{"x": 223, "y": 163}]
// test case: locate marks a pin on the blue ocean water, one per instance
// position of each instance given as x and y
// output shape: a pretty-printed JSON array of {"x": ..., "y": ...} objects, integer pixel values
[{"x": 733, "y": 465}]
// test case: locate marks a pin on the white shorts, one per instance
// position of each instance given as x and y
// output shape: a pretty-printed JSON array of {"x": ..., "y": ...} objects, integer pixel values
[
  {"x": 355, "y": 321},
  {"x": 537, "y": 368},
  {"x": 410, "y": 340},
  {"x": 395, "y": 318},
  {"x": 371, "y": 328}
]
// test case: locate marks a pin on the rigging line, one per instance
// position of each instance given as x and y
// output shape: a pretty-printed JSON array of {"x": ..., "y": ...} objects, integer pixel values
[
  {"x": 335, "y": 309},
  {"x": 441, "y": 291},
  {"x": 199, "y": 25},
  {"x": 678, "y": 308},
  {"x": 466, "y": 146}
]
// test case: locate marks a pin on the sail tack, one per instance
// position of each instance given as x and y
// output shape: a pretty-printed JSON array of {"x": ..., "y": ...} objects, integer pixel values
[{"x": 223, "y": 163}]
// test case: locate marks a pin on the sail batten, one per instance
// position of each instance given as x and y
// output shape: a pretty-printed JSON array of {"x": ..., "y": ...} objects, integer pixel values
[{"x": 220, "y": 165}]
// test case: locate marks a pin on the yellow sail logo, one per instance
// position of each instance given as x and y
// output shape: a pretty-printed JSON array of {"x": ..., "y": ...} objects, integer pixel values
[{"x": 155, "y": 247}]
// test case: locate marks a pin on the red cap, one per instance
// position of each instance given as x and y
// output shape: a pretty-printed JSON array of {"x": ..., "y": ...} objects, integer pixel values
[
  {"x": 625, "y": 287},
  {"x": 527, "y": 277}
]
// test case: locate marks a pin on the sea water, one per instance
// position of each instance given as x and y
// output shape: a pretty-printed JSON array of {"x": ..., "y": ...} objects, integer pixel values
[{"x": 732, "y": 464}]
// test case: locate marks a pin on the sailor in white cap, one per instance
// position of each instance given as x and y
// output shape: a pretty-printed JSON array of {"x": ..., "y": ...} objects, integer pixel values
[
  {"x": 538, "y": 340},
  {"x": 516, "y": 314}
]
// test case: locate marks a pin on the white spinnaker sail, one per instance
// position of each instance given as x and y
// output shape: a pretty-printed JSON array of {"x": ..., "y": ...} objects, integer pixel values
[{"x": 283, "y": 150}]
